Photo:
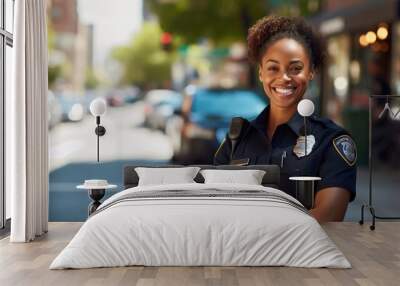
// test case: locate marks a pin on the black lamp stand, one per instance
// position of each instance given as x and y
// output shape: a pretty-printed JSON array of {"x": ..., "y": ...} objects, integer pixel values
[
  {"x": 305, "y": 136},
  {"x": 100, "y": 131},
  {"x": 96, "y": 195}
]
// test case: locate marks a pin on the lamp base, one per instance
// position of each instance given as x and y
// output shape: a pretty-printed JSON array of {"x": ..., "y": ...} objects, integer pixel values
[
  {"x": 100, "y": 130},
  {"x": 96, "y": 195},
  {"x": 305, "y": 190}
]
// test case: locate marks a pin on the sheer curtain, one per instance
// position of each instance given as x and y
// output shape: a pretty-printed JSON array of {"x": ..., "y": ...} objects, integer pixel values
[{"x": 26, "y": 124}]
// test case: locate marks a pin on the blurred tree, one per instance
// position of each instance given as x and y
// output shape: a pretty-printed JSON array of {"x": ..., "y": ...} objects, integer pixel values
[
  {"x": 91, "y": 80},
  {"x": 295, "y": 7},
  {"x": 54, "y": 70},
  {"x": 144, "y": 62},
  {"x": 221, "y": 21},
  {"x": 50, "y": 36}
]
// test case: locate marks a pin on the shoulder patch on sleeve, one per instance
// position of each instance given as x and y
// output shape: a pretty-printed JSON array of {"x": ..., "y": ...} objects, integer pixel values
[{"x": 346, "y": 148}]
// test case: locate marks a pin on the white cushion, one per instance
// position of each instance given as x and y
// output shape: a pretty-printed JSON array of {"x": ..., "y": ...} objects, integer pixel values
[
  {"x": 165, "y": 176},
  {"x": 248, "y": 177}
]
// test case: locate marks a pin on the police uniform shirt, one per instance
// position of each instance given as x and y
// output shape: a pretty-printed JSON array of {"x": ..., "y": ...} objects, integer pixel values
[{"x": 331, "y": 151}]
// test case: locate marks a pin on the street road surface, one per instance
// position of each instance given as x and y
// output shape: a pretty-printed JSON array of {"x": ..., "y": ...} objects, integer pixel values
[{"x": 125, "y": 139}]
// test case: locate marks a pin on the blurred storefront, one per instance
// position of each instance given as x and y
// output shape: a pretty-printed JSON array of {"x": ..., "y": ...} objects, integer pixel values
[
  {"x": 363, "y": 58},
  {"x": 71, "y": 47}
]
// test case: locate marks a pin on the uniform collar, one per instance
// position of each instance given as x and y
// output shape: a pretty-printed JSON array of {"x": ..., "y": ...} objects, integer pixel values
[{"x": 295, "y": 123}]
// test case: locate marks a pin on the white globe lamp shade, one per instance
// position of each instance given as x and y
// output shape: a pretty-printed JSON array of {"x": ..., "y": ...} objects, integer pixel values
[
  {"x": 305, "y": 107},
  {"x": 98, "y": 107}
]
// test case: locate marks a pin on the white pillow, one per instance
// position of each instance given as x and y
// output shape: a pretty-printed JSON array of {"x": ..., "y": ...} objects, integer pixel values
[
  {"x": 164, "y": 176},
  {"x": 248, "y": 177}
]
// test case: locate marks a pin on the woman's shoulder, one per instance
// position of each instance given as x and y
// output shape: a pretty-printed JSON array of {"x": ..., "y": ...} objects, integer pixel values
[
  {"x": 327, "y": 125},
  {"x": 337, "y": 139}
]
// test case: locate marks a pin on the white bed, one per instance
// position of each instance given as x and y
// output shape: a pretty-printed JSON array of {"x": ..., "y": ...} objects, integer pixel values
[{"x": 268, "y": 228}]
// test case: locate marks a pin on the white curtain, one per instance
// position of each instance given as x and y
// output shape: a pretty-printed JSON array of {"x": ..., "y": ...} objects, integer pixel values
[{"x": 26, "y": 124}]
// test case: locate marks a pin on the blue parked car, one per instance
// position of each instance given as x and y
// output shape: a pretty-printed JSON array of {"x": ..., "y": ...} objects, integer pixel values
[
  {"x": 160, "y": 106},
  {"x": 207, "y": 117}
]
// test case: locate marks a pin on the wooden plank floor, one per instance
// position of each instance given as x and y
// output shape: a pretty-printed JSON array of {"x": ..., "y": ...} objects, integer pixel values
[{"x": 375, "y": 256}]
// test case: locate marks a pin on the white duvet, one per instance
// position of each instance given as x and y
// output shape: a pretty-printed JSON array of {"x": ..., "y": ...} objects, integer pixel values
[{"x": 200, "y": 231}]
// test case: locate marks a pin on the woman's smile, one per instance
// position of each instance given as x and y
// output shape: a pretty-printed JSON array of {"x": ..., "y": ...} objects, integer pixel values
[{"x": 284, "y": 91}]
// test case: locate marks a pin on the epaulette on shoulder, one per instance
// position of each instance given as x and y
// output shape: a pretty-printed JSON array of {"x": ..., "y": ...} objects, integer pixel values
[{"x": 327, "y": 123}]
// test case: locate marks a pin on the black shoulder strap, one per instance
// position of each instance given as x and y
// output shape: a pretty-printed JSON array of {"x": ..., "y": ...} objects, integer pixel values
[{"x": 236, "y": 129}]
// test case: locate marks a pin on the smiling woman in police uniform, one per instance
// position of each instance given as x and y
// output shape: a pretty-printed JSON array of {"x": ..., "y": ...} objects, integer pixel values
[{"x": 288, "y": 53}]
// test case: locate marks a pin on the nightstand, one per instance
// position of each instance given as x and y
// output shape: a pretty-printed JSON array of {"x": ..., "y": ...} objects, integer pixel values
[{"x": 96, "y": 191}]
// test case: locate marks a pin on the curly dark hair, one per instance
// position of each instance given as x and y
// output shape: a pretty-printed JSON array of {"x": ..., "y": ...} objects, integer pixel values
[{"x": 272, "y": 28}]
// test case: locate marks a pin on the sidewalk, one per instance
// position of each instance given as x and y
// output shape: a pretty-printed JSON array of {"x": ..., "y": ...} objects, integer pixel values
[{"x": 385, "y": 193}]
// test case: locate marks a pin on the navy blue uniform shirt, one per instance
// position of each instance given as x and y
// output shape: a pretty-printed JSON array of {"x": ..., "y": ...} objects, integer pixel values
[{"x": 332, "y": 157}]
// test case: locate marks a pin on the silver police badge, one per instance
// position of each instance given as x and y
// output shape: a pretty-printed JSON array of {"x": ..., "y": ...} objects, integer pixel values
[
  {"x": 346, "y": 148},
  {"x": 299, "y": 148}
]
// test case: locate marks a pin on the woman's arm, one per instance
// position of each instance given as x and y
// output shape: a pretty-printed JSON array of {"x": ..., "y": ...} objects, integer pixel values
[{"x": 330, "y": 204}]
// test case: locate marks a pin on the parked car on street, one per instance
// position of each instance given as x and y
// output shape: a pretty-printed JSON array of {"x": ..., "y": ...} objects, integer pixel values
[
  {"x": 122, "y": 96},
  {"x": 115, "y": 98},
  {"x": 131, "y": 94},
  {"x": 160, "y": 106},
  {"x": 206, "y": 121},
  {"x": 54, "y": 110},
  {"x": 87, "y": 98},
  {"x": 72, "y": 106}
]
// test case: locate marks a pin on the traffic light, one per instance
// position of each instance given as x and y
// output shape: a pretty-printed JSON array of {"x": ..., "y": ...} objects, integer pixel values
[{"x": 166, "y": 41}]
